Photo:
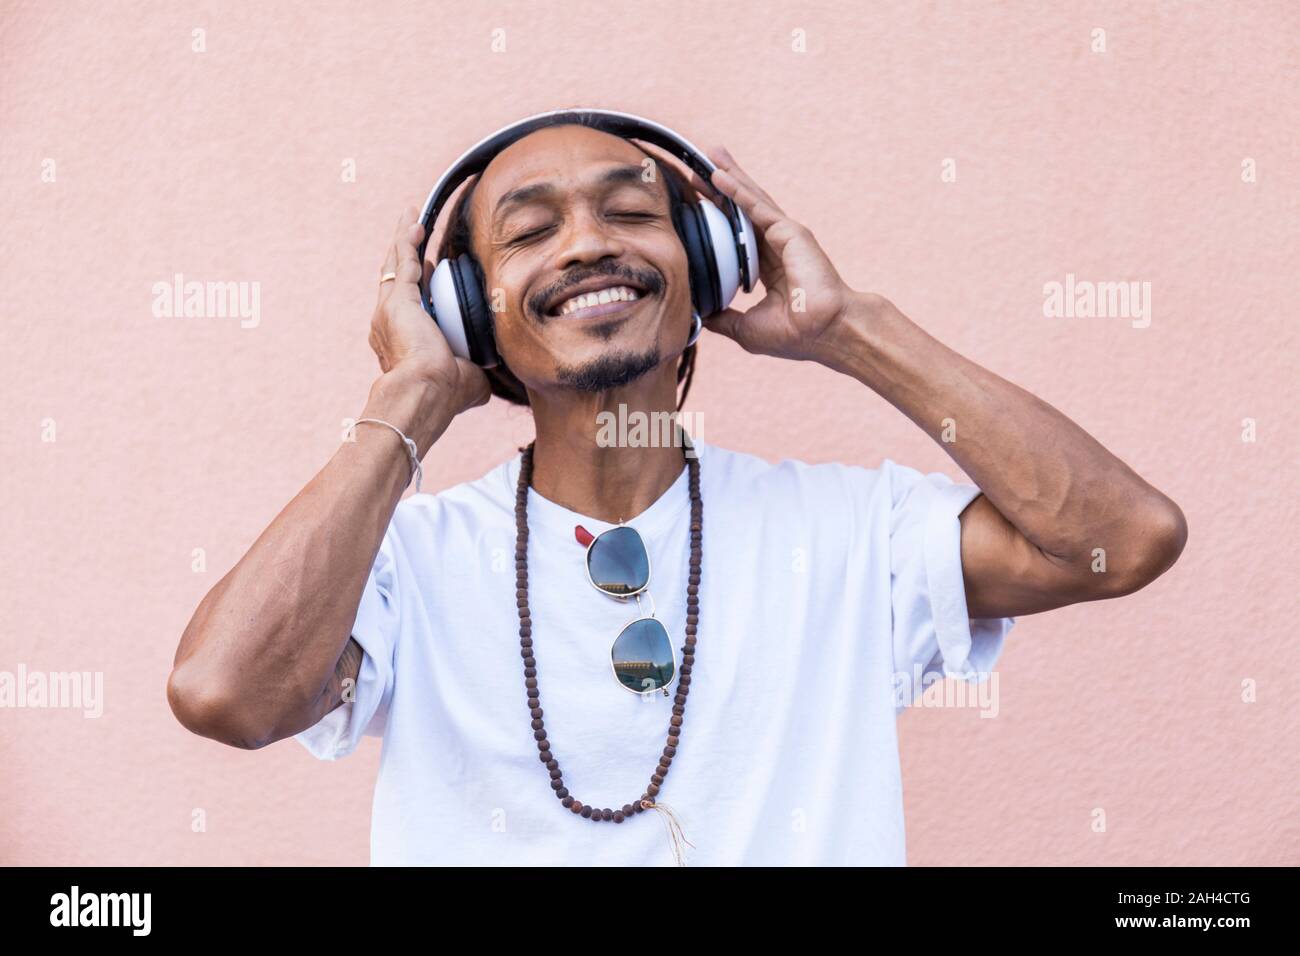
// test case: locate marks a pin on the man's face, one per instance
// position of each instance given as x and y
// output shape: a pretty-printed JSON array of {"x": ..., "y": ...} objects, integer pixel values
[{"x": 565, "y": 211}]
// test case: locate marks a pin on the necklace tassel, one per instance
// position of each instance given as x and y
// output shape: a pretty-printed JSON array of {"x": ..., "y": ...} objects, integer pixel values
[{"x": 676, "y": 835}]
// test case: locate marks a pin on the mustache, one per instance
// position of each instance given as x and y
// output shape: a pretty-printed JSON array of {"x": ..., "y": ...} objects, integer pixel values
[{"x": 648, "y": 279}]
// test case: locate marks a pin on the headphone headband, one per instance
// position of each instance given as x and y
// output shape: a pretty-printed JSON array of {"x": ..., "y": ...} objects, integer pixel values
[{"x": 477, "y": 157}]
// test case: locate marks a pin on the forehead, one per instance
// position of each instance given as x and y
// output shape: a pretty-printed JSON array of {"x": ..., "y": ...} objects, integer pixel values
[{"x": 566, "y": 156}]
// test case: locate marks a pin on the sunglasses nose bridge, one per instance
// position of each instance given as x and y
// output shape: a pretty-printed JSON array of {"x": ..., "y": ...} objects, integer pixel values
[{"x": 653, "y": 609}]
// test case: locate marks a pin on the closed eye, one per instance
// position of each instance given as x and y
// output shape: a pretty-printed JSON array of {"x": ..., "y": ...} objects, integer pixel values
[
  {"x": 632, "y": 214},
  {"x": 529, "y": 236}
]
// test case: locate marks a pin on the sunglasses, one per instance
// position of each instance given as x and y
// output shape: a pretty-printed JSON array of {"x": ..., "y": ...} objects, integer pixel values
[{"x": 619, "y": 565}]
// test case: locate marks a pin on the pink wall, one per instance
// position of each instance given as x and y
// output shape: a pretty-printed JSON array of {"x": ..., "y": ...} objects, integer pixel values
[{"x": 176, "y": 434}]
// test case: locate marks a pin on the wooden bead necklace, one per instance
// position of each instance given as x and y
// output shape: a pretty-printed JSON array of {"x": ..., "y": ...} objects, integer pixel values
[{"x": 647, "y": 799}]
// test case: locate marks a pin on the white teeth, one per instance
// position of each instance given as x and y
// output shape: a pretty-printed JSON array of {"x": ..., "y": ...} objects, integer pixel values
[{"x": 619, "y": 293}]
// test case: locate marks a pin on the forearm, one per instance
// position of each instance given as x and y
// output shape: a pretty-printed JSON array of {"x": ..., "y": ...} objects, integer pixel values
[
  {"x": 1048, "y": 477},
  {"x": 264, "y": 643}
]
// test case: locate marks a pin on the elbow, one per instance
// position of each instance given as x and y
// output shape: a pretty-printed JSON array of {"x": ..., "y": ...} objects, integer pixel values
[
  {"x": 1164, "y": 536},
  {"x": 205, "y": 707},
  {"x": 1157, "y": 540}
]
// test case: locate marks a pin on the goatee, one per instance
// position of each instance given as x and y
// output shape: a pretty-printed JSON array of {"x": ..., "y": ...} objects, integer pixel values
[{"x": 609, "y": 371}]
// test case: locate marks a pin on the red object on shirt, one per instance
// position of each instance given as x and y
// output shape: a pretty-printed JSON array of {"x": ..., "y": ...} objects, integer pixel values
[{"x": 584, "y": 536}]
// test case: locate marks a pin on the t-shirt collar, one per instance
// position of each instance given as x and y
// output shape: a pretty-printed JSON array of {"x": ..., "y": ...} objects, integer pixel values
[{"x": 542, "y": 512}]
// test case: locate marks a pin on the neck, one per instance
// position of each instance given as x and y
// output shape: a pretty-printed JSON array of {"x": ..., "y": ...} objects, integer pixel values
[{"x": 582, "y": 462}]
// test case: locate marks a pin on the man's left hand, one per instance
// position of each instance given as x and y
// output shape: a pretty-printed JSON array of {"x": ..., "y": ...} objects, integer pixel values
[{"x": 806, "y": 299}]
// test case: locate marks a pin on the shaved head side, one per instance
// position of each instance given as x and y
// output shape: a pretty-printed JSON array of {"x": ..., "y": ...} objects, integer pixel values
[{"x": 607, "y": 371}]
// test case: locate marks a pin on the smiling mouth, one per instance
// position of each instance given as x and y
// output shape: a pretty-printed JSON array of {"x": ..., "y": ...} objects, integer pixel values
[{"x": 605, "y": 301}]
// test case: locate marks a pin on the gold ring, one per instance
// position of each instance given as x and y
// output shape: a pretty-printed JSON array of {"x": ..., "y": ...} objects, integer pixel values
[{"x": 387, "y": 277}]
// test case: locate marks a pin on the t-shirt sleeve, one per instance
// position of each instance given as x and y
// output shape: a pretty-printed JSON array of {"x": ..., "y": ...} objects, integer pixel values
[
  {"x": 376, "y": 627},
  {"x": 932, "y": 635}
]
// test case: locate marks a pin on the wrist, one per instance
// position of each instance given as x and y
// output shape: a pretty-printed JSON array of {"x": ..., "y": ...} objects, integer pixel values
[
  {"x": 413, "y": 401},
  {"x": 855, "y": 332}
]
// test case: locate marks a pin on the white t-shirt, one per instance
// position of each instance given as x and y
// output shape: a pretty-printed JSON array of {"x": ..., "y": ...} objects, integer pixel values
[{"x": 819, "y": 583}]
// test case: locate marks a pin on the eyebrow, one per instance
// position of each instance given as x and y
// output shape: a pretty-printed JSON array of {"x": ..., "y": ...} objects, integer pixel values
[{"x": 535, "y": 192}]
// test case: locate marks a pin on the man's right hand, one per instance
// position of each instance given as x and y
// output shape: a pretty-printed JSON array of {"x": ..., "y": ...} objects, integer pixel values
[
  {"x": 268, "y": 650},
  {"x": 405, "y": 337}
]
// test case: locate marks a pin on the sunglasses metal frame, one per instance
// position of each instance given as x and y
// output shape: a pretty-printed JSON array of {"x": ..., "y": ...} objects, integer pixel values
[{"x": 645, "y": 589}]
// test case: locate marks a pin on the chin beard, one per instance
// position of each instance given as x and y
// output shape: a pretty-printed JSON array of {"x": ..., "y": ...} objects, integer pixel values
[{"x": 608, "y": 371}]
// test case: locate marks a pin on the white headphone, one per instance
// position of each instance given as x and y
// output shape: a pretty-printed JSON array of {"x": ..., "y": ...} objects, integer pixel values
[{"x": 721, "y": 248}]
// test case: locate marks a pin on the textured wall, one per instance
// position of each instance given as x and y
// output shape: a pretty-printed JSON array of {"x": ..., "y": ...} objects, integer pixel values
[{"x": 173, "y": 434}]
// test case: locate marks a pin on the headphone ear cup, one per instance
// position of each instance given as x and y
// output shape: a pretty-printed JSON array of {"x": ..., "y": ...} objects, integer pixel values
[
  {"x": 724, "y": 259},
  {"x": 444, "y": 302},
  {"x": 476, "y": 314},
  {"x": 699, "y": 258}
]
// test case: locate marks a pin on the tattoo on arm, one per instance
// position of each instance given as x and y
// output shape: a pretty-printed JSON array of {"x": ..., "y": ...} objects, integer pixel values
[{"x": 346, "y": 674}]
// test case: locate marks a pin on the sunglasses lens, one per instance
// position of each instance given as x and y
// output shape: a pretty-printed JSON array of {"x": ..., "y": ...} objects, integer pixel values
[
  {"x": 643, "y": 656},
  {"x": 618, "y": 563}
]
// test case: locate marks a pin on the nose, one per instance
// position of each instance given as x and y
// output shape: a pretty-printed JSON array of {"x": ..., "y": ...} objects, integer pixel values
[{"x": 585, "y": 240}]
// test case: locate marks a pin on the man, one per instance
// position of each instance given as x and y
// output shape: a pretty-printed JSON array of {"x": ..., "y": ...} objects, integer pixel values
[{"x": 802, "y": 600}]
